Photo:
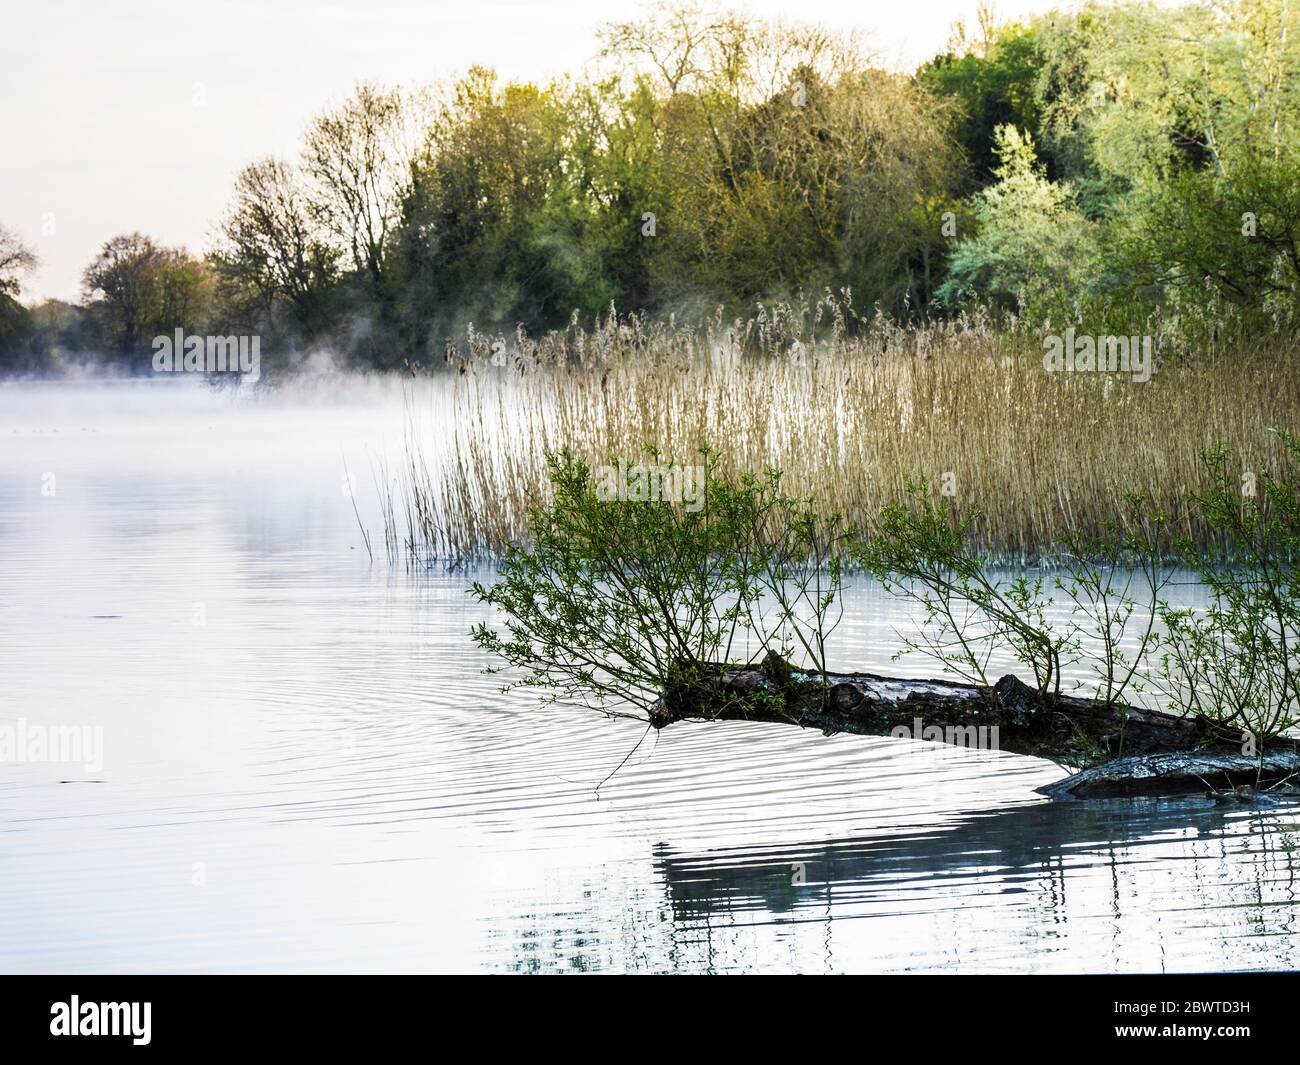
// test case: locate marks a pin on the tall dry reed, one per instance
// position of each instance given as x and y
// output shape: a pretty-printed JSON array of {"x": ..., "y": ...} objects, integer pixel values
[{"x": 847, "y": 413}]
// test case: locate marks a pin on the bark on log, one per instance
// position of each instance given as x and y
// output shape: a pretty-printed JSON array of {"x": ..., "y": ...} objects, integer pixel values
[
  {"x": 1126, "y": 750},
  {"x": 1180, "y": 773}
]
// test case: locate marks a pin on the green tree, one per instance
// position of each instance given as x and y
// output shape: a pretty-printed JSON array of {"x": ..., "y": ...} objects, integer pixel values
[
  {"x": 1031, "y": 244},
  {"x": 19, "y": 347},
  {"x": 272, "y": 247},
  {"x": 357, "y": 159},
  {"x": 136, "y": 289},
  {"x": 789, "y": 163},
  {"x": 496, "y": 227},
  {"x": 1230, "y": 240},
  {"x": 994, "y": 79}
]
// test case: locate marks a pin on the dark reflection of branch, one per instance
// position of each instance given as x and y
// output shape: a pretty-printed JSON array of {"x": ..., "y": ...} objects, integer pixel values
[
  {"x": 1116, "y": 869},
  {"x": 1028, "y": 848}
]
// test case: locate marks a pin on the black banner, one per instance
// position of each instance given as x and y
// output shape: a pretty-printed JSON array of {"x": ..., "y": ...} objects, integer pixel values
[{"x": 166, "y": 1014}]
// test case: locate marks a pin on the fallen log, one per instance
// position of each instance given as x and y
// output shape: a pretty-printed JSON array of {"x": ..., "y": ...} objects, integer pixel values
[
  {"x": 1217, "y": 773},
  {"x": 1118, "y": 750}
]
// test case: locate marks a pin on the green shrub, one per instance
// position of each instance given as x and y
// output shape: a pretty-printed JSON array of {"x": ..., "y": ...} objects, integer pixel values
[
  {"x": 626, "y": 600},
  {"x": 1236, "y": 662}
]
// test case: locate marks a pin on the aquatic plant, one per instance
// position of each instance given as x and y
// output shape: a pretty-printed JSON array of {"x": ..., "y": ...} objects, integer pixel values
[
  {"x": 848, "y": 409},
  {"x": 625, "y": 597},
  {"x": 1236, "y": 661},
  {"x": 642, "y": 587},
  {"x": 921, "y": 550}
]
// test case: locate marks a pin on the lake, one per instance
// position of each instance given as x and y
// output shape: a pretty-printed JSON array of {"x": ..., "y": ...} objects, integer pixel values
[{"x": 292, "y": 761}]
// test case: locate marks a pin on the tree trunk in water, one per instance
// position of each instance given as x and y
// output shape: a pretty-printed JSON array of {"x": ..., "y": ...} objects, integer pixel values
[{"x": 1130, "y": 751}]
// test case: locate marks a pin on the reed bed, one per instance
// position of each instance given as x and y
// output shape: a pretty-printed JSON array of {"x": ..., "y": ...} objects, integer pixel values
[{"x": 849, "y": 411}]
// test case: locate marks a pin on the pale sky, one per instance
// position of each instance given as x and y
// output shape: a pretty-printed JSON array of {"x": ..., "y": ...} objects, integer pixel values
[{"x": 122, "y": 115}]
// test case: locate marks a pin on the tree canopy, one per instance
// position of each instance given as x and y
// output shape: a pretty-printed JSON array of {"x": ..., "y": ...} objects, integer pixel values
[{"x": 1121, "y": 160}]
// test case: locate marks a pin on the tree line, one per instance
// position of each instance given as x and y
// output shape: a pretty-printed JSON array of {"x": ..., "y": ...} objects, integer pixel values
[{"x": 1106, "y": 165}]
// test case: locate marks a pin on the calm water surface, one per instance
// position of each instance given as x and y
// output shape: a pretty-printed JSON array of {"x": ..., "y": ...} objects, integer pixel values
[{"x": 304, "y": 770}]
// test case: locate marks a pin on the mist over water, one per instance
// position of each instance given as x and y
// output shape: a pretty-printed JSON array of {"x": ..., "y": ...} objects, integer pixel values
[{"x": 303, "y": 768}]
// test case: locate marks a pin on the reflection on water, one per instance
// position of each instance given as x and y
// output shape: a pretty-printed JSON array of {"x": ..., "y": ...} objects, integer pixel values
[
  {"x": 304, "y": 768},
  {"x": 1140, "y": 885}
]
